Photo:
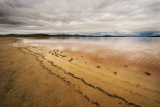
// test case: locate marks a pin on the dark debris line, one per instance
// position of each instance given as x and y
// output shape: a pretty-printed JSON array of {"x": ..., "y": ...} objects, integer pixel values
[{"x": 91, "y": 85}]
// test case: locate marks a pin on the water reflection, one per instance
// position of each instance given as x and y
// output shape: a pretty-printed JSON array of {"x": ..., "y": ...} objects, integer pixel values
[
  {"x": 143, "y": 51},
  {"x": 142, "y": 39}
]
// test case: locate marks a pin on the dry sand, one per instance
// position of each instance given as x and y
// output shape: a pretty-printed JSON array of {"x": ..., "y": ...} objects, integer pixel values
[{"x": 36, "y": 76}]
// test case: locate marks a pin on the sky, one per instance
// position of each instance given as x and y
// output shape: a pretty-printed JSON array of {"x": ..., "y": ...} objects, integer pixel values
[{"x": 48, "y": 16}]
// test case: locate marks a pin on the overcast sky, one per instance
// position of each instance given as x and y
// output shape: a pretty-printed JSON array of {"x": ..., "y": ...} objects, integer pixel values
[{"x": 33, "y": 16}]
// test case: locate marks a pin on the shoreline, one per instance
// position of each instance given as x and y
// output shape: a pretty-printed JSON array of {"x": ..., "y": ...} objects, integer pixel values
[
  {"x": 139, "y": 84},
  {"x": 93, "y": 83}
]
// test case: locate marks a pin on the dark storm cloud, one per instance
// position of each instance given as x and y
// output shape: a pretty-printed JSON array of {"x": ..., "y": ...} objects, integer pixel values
[{"x": 79, "y": 15}]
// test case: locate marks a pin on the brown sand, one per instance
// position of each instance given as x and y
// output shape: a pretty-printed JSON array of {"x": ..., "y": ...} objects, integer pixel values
[
  {"x": 25, "y": 82},
  {"x": 35, "y": 76}
]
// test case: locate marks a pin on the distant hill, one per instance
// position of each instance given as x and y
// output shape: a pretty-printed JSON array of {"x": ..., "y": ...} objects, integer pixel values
[
  {"x": 86, "y": 34},
  {"x": 51, "y": 35}
]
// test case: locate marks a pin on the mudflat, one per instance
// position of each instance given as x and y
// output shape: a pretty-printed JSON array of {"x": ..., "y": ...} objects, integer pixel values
[{"x": 35, "y": 76}]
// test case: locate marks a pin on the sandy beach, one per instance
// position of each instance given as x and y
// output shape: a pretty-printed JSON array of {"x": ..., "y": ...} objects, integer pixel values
[{"x": 33, "y": 75}]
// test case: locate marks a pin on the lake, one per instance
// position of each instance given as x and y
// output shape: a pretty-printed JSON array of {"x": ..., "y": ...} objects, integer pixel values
[{"x": 138, "y": 51}]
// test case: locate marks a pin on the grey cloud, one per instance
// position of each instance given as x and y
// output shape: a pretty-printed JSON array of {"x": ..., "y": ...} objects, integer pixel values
[
  {"x": 79, "y": 15},
  {"x": 10, "y": 22}
]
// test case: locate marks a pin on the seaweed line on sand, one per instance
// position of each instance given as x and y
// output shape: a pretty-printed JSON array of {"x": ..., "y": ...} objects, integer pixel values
[
  {"x": 63, "y": 78},
  {"x": 91, "y": 85}
]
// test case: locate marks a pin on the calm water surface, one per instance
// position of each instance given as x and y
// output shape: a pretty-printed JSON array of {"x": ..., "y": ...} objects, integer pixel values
[
  {"x": 150, "y": 44},
  {"x": 144, "y": 51}
]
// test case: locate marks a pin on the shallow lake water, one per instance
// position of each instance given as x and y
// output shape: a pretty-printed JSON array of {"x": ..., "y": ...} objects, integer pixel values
[{"x": 143, "y": 51}]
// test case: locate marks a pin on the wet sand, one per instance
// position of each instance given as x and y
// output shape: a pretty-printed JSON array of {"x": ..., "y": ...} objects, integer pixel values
[
  {"x": 25, "y": 82},
  {"x": 37, "y": 76}
]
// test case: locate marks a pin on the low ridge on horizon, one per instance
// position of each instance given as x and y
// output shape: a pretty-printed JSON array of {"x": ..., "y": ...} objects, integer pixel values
[{"x": 149, "y": 33}]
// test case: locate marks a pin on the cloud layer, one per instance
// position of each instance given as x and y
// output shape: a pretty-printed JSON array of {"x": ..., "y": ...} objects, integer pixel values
[{"x": 33, "y": 16}]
